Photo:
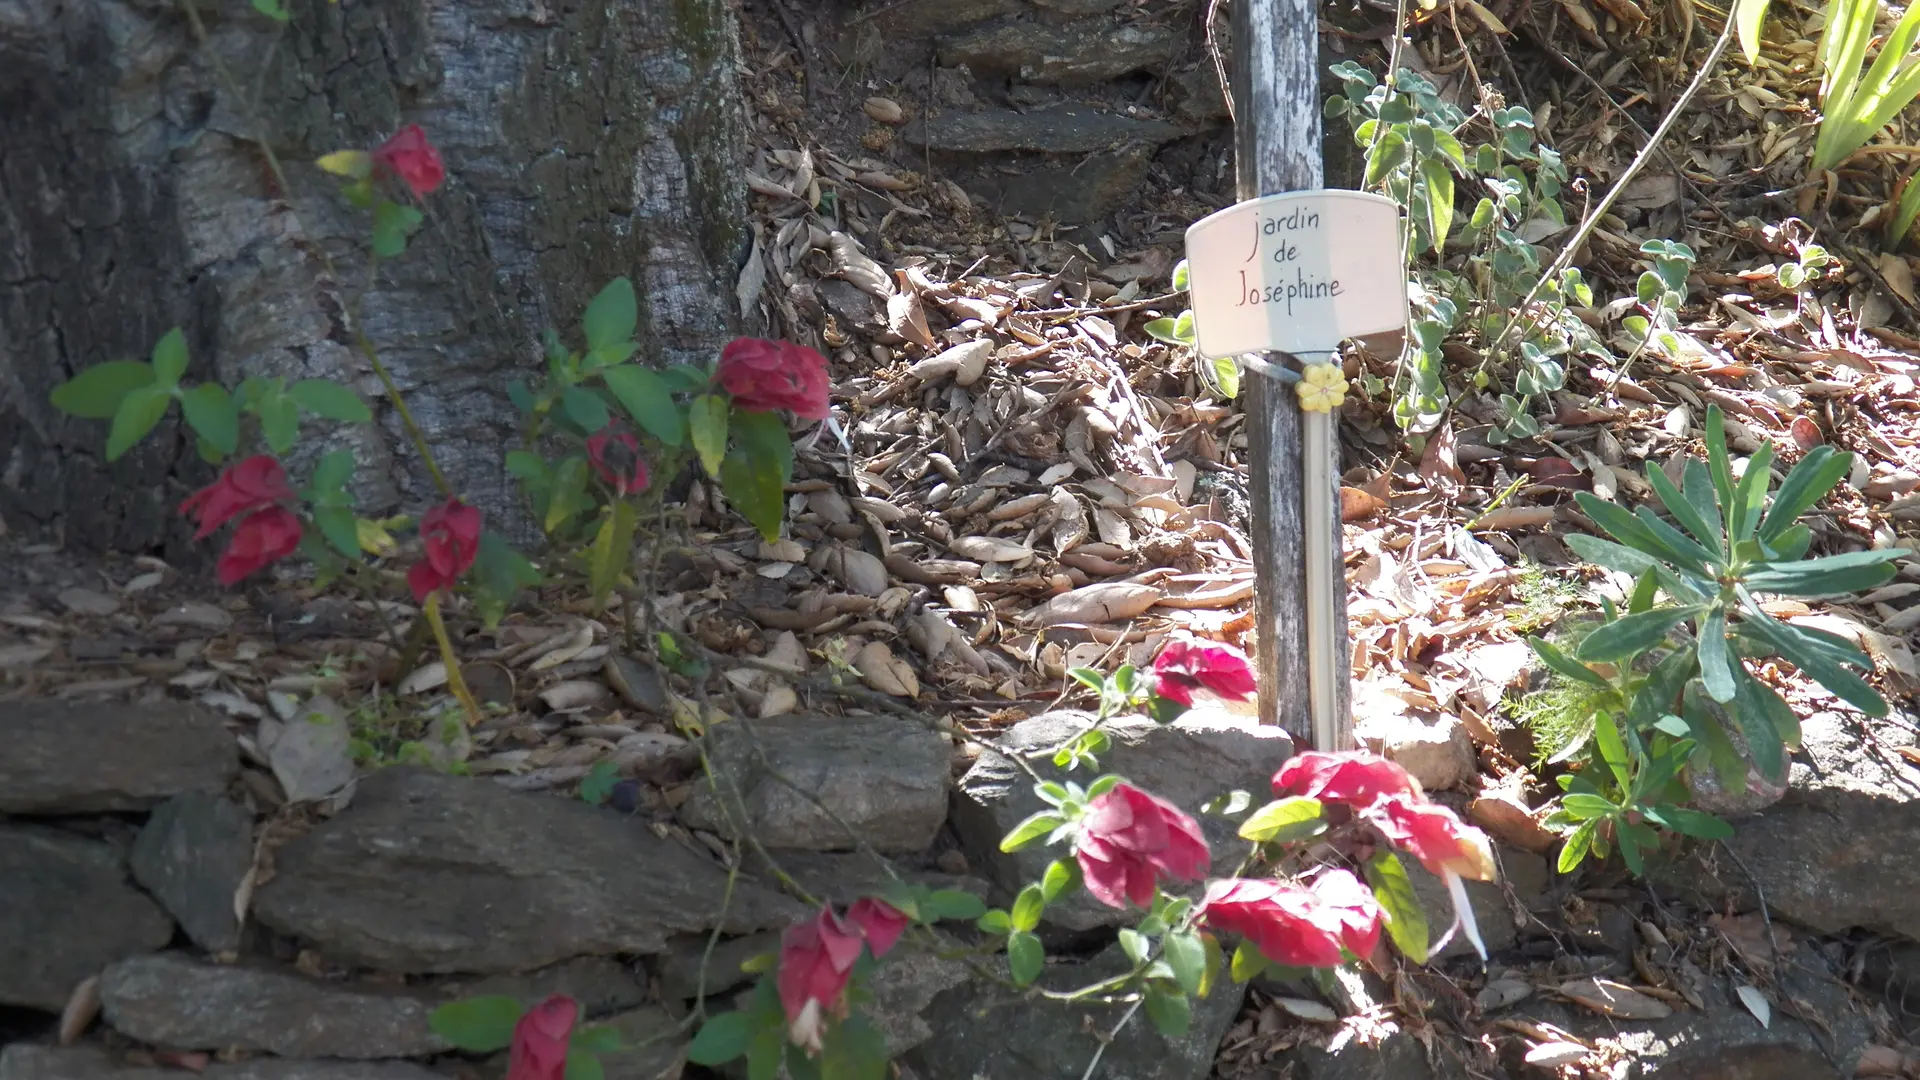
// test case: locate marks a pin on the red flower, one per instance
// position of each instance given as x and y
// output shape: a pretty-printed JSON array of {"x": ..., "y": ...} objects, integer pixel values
[
  {"x": 539, "y": 1050},
  {"x": 1130, "y": 840},
  {"x": 1433, "y": 834},
  {"x": 816, "y": 962},
  {"x": 411, "y": 158},
  {"x": 766, "y": 375},
  {"x": 1355, "y": 779},
  {"x": 1288, "y": 924},
  {"x": 452, "y": 534},
  {"x": 880, "y": 921},
  {"x": 1351, "y": 907},
  {"x": 1185, "y": 666},
  {"x": 615, "y": 455},
  {"x": 260, "y": 540},
  {"x": 257, "y": 482}
]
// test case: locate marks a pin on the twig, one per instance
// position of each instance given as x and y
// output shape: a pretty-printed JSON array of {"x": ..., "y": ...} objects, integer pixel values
[
  {"x": 1525, "y": 316},
  {"x": 1111, "y": 1035}
]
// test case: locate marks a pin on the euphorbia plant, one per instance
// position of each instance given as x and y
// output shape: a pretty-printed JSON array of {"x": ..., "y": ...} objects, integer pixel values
[{"x": 1332, "y": 814}]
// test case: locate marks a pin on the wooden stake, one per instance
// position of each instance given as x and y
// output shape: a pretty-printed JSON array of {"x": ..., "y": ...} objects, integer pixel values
[{"x": 1276, "y": 90}]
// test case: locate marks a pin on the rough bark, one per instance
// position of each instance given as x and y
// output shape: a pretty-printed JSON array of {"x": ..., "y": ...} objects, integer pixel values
[{"x": 582, "y": 142}]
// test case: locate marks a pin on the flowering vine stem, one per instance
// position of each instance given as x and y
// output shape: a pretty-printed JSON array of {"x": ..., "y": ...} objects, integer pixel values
[{"x": 455, "y": 680}]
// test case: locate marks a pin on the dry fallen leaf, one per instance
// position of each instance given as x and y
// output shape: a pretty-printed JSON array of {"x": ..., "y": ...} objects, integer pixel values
[
  {"x": 1105, "y": 601},
  {"x": 1614, "y": 999},
  {"x": 886, "y": 672}
]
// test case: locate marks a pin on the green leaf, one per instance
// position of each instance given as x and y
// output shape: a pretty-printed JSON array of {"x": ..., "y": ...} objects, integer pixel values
[
  {"x": 1135, "y": 945},
  {"x": 1170, "y": 1012},
  {"x": 1089, "y": 678},
  {"x": 1212, "y": 965},
  {"x": 1811, "y": 659},
  {"x": 1688, "y": 822},
  {"x": 763, "y": 437},
  {"x": 1387, "y": 153},
  {"x": 528, "y": 467},
  {"x": 1631, "y": 635},
  {"x": 721, "y": 1039},
  {"x": 597, "y": 786},
  {"x": 1162, "y": 330},
  {"x": 612, "y": 551},
  {"x": 1579, "y": 842},
  {"x": 96, "y": 393},
  {"x": 1684, "y": 511},
  {"x": 1606, "y": 553},
  {"x": 1248, "y": 962},
  {"x": 272, "y": 9},
  {"x": 1716, "y": 663},
  {"x": 1623, "y": 526},
  {"x": 952, "y": 904},
  {"x": 170, "y": 358},
  {"x": 1030, "y": 830},
  {"x": 1748, "y": 15},
  {"x": 648, "y": 401},
  {"x": 1750, "y": 494},
  {"x": 996, "y": 922},
  {"x": 139, "y": 411},
  {"x": 1764, "y": 702},
  {"x": 1284, "y": 821},
  {"x": 1565, "y": 665},
  {"x": 584, "y": 1065},
  {"x": 1226, "y": 374},
  {"x": 1613, "y": 750},
  {"x": 1588, "y": 807},
  {"x": 1851, "y": 572},
  {"x": 332, "y": 471},
  {"x": 612, "y": 315},
  {"x": 1719, "y": 465},
  {"x": 279, "y": 421},
  {"x": 568, "y": 495},
  {"x": 585, "y": 408},
  {"x": 1406, "y": 920},
  {"x": 1059, "y": 875},
  {"x": 1182, "y": 276},
  {"x": 1687, "y": 552},
  {"x": 753, "y": 487},
  {"x": 499, "y": 574},
  {"x": 1025, "y": 957},
  {"x": 1027, "y": 907},
  {"x": 328, "y": 399},
  {"x": 1808, "y": 482},
  {"x": 598, "y": 1039},
  {"x": 1187, "y": 955},
  {"x": 765, "y": 1053},
  {"x": 707, "y": 422},
  {"x": 478, "y": 1025},
  {"x": 338, "y": 525},
  {"x": 210, "y": 411},
  {"x": 1439, "y": 198},
  {"x": 392, "y": 224}
]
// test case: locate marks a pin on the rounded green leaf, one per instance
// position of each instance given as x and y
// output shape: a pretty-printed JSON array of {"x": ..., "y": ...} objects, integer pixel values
[
  {"x": 138, "y": 413},
  {"x": 392, "y": 224},
  {"x": 646, "y": 398},
  {"x": 1284, "y": 821},
  {"x": 210, "y": 411},
  {"x": 1170, "y": 1012},
  {"x": 1631, "y": 635},
  {"x": 612, "y": 315},
  {"x": 585, "y": 408},
  {"x": 753, "y": 487},
  {"x": 1187, "y": 955},
  {"x": 96, "y": 393},
  {"x": 953, "y": 904},
  {"x": 722, "y": 1038},
  {"x": 1025, "y": 957},
  {"x": 1406, "y": 920},
  {"x": 1027, "y": 907},
  {"x": 1030, "y": 830},
  {"x": 707, "y": 423},
  {"x": 170, "y": 357},
  {"x": 329, "y": 400},
  {"x": 478, "y": 1025}
]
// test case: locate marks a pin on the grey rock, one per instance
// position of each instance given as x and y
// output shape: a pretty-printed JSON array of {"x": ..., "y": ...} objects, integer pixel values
[
  {"x": 95, "y": 757},
  {"x": 680, "y": 965},
  {"x": 1498, "y": 928},
  {"x": 1080, "y": 7},
  {"x": 1187, "y": 763},
  {"x": 170, "y": 1000},
  {"x": 637, "y": 683},
  {"x": 192, "y": 855},
  {"x": 1197, "y": 98},
  {"x": 1067, "y": 129},
  {"x": 24, "y": 1061},
  {"x": 921, "y": 19},
  {"x": 1836, "y": 852},
  {"x": 1397, "y": 1056},
  {"x": 903, "y": 987},
  {"x": 836, "y": 877},
  {"x": 976, "y": 1032},
  {"x": 69, "y": 912},
  {"x": 1438, "y": 752},
  {"x": 1060, "y": 56},
  {"x": 438, "y": 874},
  {"x": 652, "y": 1046},
  {"x": 600, "y": 985},
  {"x": 884, "y": 777}
]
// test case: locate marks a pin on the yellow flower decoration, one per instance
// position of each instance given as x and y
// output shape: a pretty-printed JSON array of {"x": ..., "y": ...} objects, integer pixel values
[{"x": 1322, "y": 388}]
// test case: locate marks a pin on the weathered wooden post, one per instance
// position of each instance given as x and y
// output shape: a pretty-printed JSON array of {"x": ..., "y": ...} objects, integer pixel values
[{"x": 1286, "y": 275}]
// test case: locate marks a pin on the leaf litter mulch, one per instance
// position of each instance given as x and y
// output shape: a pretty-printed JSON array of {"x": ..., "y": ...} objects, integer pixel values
[{"x": 1021, "y": 481}]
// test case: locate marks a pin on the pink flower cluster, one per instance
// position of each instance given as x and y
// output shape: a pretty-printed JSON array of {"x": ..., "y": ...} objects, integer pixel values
[{"x": 816, "y": 963}]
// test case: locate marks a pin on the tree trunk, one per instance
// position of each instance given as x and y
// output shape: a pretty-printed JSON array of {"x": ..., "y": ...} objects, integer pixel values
[{"x": 583, "y": 142}]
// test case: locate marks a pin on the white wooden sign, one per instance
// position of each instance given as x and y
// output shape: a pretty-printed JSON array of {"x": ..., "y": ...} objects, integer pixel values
[{"x": 1296, "y": 273}]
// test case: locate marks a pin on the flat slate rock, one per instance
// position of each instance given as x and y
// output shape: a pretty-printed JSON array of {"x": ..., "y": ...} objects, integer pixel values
[
  {"x": 600, "y": 985},
  {"x": 1186, "y": 763},
  {"x": 1058, "y": 56},
  {"x": 1064, "y": 129},
  {"x": 25, "y": 1061},
  {"x": 192, "y": 856},
  {"x": 68, "y": 911},
  {"x": 439, "y": 874},
  {"x": 885, "y": 777},
  {"x": 98, "y": 757},
  {"x": 171, "y": 1000}
]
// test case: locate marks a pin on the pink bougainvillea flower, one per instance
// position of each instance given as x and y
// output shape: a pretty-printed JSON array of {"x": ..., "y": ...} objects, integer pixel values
[
  {"x": 1355, "y": 779},
  {"x": 816, "y": 963},
  {"x": 1185, "y": 666},
  {"x": 539, "y": 1050},
  {"x": 1288, "y": 924},
  {"x": 1129, "y": 841},
  {"x": 409, "y": 157},
  {"x": 880, "y": 921},
  {"x": 262, "y": 538},
  {"x": 1446, "y": 846},
  {"x": 1350, "y": 906},
  {"x": 766, "y": 375},
  {"x": 452, "y": 534},
  {"x": 247, "y": 485},
  {"x": 615, "y": 455}
]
